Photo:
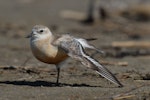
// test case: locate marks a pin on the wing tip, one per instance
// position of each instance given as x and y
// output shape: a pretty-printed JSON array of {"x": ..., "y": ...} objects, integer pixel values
[{"x": 120, "y": 85}]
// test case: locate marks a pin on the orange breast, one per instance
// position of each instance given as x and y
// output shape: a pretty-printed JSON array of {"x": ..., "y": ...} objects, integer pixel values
[
  {"x": 55, "y": 60},
  {"x": 49, "y": 54}
]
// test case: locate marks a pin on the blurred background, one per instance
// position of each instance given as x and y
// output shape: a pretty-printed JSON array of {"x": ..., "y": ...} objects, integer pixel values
[
  {"x": 106, "y": 20},
  {"x": 122, "y": 30}
]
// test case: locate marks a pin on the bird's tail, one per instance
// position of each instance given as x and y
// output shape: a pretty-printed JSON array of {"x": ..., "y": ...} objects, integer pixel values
[{"x": 103, "y": 71}]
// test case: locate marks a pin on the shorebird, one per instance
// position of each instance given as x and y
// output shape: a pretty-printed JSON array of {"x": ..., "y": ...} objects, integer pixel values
[{"x": 56, "y": 49}]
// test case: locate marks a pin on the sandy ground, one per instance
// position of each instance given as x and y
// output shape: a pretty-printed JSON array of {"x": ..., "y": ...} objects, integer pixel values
[{"x": 24, "y": 77}]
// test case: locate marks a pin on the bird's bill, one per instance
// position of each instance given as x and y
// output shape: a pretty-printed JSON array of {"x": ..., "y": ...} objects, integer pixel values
[{"x": 28, "y": 36}]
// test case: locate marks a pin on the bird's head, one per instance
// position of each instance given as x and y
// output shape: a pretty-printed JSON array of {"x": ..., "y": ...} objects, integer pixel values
[{"x": 40, "y": 32}]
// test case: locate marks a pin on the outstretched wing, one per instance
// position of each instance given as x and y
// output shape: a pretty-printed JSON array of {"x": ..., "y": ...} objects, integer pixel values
[
  {"x": 85, "y": 44},
  {"x": 75, "y": 50}
]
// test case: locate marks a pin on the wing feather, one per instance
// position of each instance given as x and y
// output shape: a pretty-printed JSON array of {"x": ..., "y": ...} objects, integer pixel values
[{"x": 75, "y": 49}]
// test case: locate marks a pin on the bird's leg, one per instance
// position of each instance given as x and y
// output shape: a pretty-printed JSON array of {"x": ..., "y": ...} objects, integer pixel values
[
  {"x": 58, "y": 72},
  {"x": 90, "y": 19}
]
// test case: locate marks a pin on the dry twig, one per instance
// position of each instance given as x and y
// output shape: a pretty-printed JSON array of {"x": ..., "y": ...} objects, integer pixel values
[{"x": 131, "y": 44}]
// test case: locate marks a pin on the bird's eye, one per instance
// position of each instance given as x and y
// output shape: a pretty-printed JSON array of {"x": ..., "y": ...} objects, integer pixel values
[{"x": 41, "y": 31}]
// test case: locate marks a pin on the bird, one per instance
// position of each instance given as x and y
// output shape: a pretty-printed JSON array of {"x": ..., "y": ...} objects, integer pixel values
[{"x": 55, "y": 49}]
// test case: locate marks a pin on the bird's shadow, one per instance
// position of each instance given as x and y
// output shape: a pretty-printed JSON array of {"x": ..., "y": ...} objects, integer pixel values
[{"x": 44, "y": 83}]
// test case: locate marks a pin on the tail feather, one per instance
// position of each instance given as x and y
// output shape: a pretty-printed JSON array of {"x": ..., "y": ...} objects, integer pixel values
[{"x": 103, "y": 71}]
